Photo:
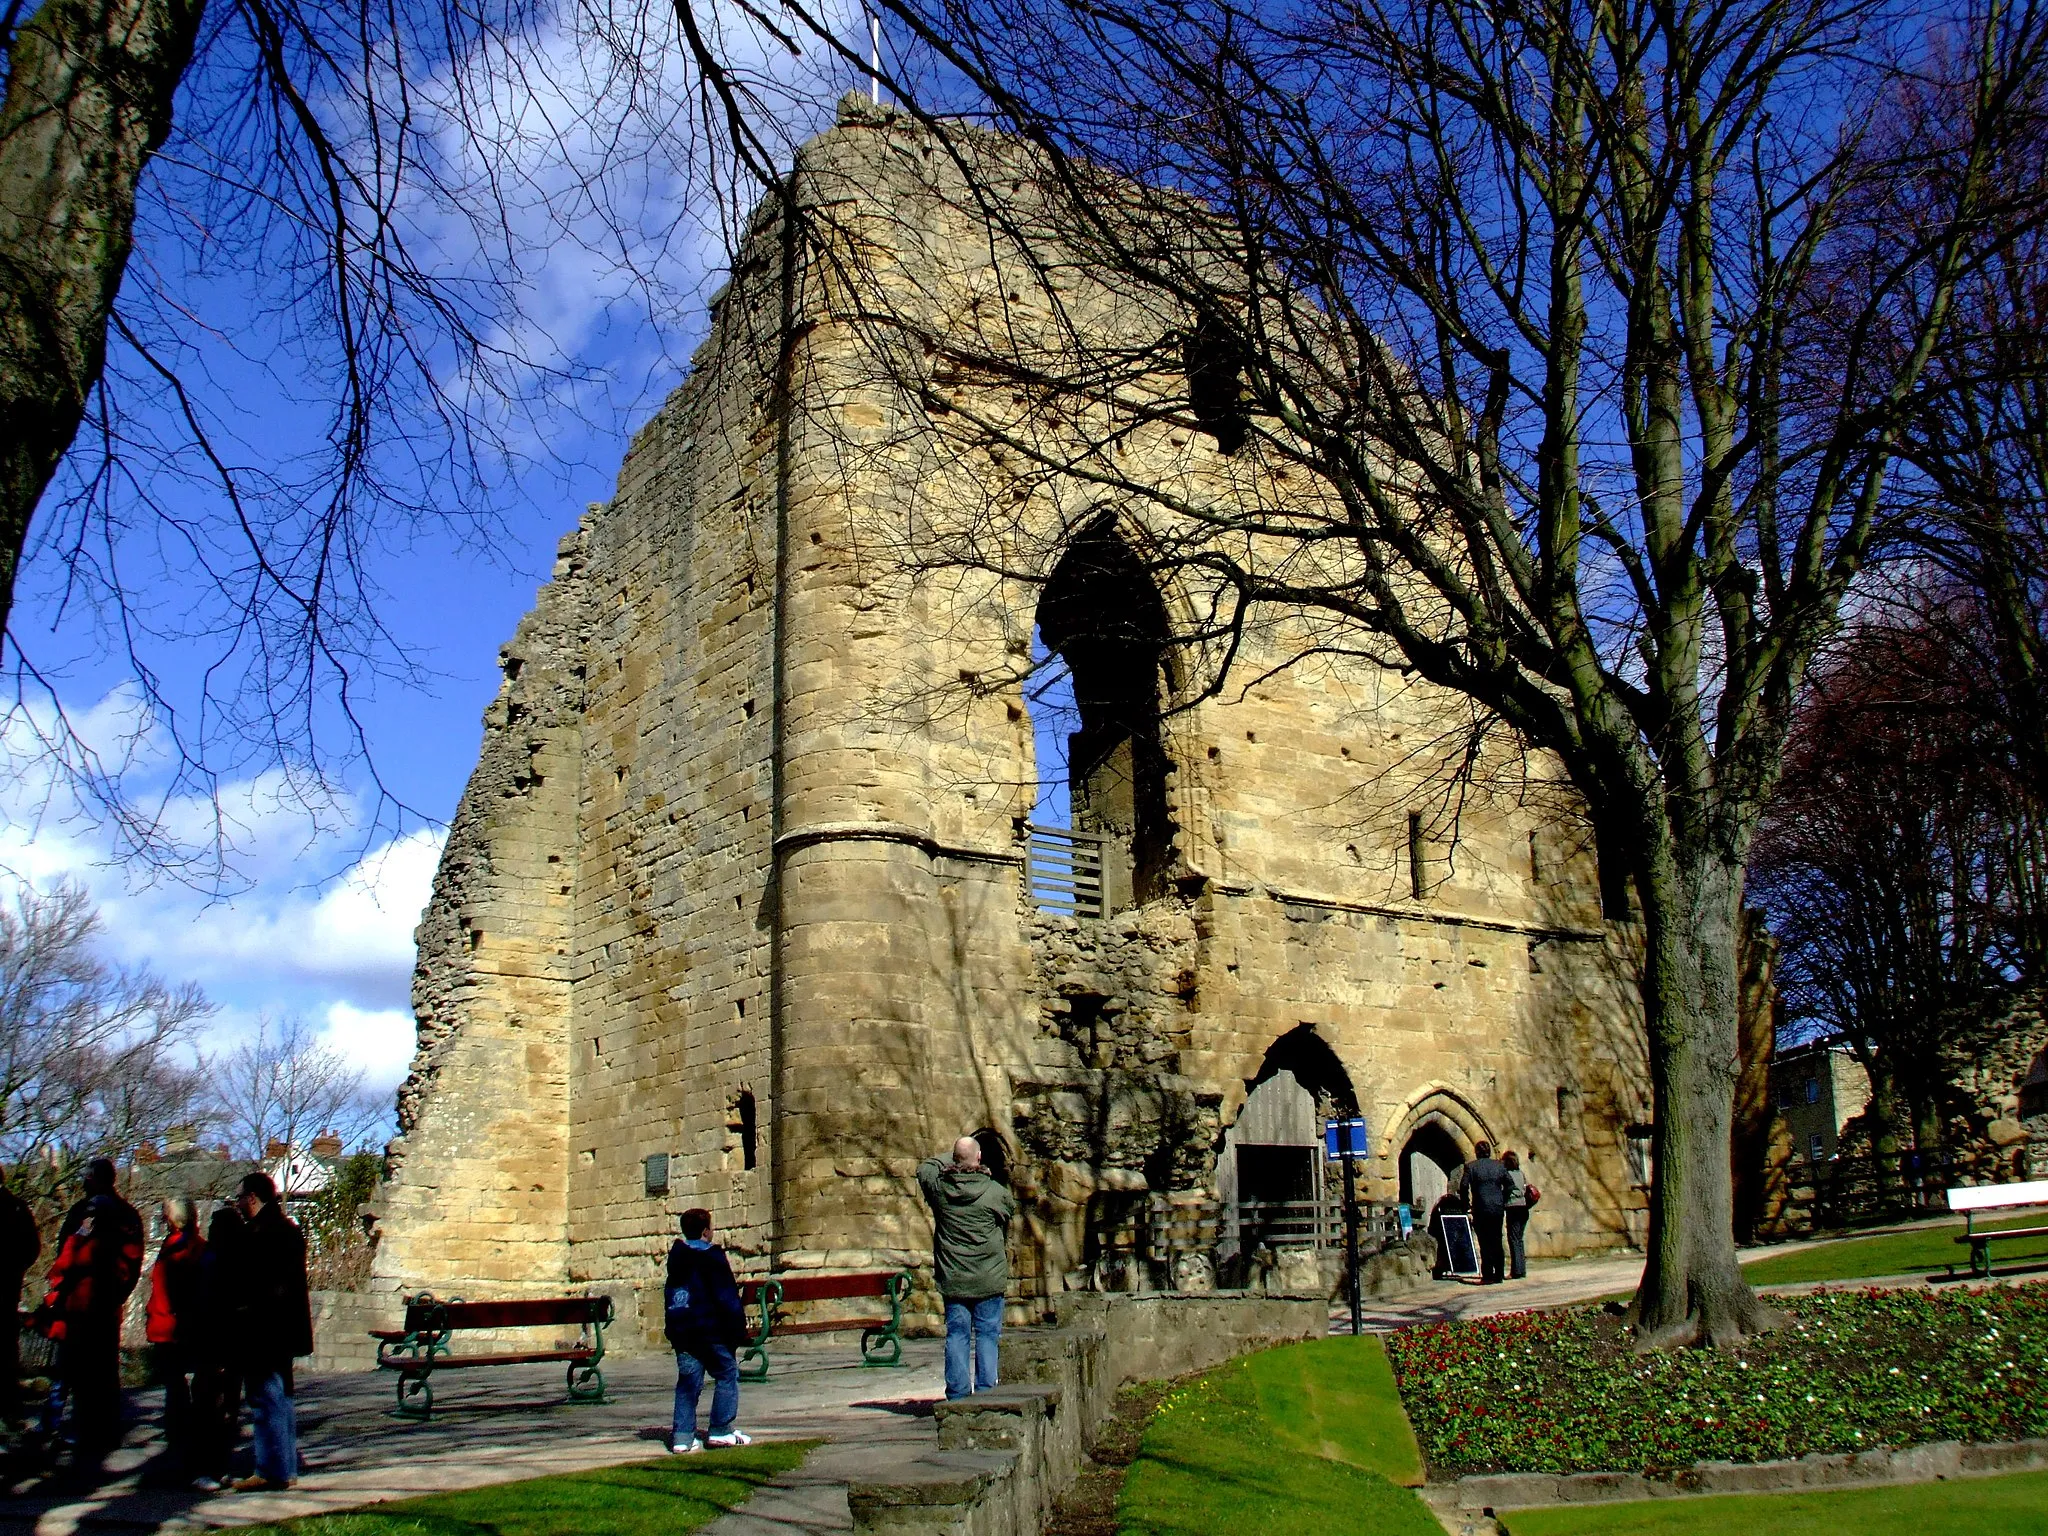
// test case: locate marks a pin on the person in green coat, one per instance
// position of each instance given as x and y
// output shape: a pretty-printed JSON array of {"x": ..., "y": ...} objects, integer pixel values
[{"x": 970, "y": 1252}]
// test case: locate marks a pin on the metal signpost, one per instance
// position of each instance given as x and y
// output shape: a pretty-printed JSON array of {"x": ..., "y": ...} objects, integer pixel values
[{"x": 1344, "y": 1140}]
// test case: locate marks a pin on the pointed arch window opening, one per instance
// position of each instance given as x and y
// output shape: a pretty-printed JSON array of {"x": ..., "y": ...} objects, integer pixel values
[{"x": 1099, "y": 653}]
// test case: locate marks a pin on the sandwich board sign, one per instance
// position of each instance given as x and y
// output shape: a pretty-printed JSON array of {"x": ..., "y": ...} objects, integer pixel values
[{"x": 1461, "y": 1253}]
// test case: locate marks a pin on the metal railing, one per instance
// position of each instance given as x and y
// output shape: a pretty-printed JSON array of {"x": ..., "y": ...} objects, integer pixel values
[
  {"x": 1066, "y": 870},
  {"x": 1310, "y": 1223}
]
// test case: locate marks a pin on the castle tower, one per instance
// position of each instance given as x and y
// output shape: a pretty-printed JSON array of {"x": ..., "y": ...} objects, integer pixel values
[{"x": 744, "y": 906}]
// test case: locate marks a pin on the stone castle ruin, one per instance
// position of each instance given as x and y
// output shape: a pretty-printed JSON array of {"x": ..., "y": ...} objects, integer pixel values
[{"x": 746, "y": 905}]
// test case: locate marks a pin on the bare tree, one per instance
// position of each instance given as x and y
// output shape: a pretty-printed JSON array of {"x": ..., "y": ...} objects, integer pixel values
[
  {"x": 286, "y": 1086},
  {"x": 95, "y": 1060},
  {"x": 338, "y": 209},
  {"x": 1901, "y": 859},
  {"x": 1594, "y": 331}
]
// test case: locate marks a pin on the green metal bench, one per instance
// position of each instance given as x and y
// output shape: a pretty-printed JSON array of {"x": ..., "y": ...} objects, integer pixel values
[
  {"x": 881, "y": 1338},
  {"x": 420, "y": 1348}
]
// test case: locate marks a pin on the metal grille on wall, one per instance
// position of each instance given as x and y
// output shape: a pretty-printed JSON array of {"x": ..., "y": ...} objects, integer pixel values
[{"x": 1066, "y": 870}]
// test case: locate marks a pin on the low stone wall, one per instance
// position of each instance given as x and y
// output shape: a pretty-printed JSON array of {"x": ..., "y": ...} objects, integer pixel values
[
  {"x": 342, "y": 1321},
  {"x": 1004, "y": 1456},
  {"x": 1936, "y": 1461}
]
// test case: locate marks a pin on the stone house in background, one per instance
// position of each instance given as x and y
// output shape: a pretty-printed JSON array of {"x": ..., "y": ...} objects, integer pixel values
[
  {"x": 745, "y": 906},
  {"x": 1817, "y": 1088}
]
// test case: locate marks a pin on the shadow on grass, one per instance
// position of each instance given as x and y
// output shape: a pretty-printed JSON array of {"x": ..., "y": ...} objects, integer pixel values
[
  {"x": 641, "y": 1498},
  {"x": 1229, "y": 1451}
]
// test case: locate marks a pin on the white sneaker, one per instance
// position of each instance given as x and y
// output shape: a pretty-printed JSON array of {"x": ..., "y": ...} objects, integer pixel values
[
  {"x": 729, "y": 1439},
  {"x": 690, "y": 1448}
]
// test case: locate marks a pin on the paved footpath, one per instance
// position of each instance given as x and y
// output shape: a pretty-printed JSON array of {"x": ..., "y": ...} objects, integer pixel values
[{"x": 496, "y": 1425}]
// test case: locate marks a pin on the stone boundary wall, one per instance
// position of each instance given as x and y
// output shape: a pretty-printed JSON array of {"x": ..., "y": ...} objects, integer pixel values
[
  {"x": 1470, "y": 1502},
  {"x": 1005, "y": 1455},
  {"x": 342, "y": 1321}
]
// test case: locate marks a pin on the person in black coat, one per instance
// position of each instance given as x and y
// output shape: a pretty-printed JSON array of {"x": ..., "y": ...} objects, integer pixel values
[
  {"x": 217, "y": 1370},
  {"x": 270, "y": 1326},
  {"x": 21, "y": 1243},
  {"x": 705, "y": 1323},
  {"x": 1486, "y": 1190}
]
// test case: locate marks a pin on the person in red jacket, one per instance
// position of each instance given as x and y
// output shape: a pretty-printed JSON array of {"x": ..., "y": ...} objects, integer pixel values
[
  {"x": 173, "y": 1327},
  {"x": 99, "y": 1259}
]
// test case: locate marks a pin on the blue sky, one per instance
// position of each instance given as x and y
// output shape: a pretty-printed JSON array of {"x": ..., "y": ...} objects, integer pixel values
[{"x": 317, "y": 914}]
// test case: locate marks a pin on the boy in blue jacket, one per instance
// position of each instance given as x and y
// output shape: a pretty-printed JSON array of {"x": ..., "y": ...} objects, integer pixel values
[{"x": 705, "y": 1323}]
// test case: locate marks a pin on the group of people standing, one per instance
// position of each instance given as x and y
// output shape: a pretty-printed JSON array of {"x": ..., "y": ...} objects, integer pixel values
[
  {"x": 1497, "y": 1196},
  {"x": 228, "y": 1312}
]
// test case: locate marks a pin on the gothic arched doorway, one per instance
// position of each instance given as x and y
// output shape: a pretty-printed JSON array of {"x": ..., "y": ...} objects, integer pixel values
[
  {"x": 1429, "y": 1157},
  {"x": 1269, "y": 1174}
]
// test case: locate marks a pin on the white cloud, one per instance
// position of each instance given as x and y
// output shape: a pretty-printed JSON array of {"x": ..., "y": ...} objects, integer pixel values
[
  {"x": 354, "y": 936},
  {"x": 379, "y": 1042},
  {"x": 316, "y": 929}
]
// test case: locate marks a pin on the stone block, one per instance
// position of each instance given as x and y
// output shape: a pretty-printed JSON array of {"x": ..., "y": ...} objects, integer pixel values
[
  {"x": 2004, "y": 1456},
  {"x": 1508, "y": 1490}
]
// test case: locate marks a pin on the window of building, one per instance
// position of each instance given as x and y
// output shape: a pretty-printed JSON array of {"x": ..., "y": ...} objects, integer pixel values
[
  {"x": 1104, "y": 619},
  {"x": 1816, "y": 1146},
  {"x": 1214, "y": 359},
  {"x": 1642, "y": 1162},
  {"x": 1813, "y": 1090},
  {"x": 1418, "y": 857},
  {"x": 750, "y": 1131}
]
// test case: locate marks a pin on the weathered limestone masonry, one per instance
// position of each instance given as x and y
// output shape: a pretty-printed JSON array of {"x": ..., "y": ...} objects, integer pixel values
[{"x": 741, "y": 879}]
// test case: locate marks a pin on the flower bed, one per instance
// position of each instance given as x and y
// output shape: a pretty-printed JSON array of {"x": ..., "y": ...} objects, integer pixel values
[{"x": 1564, "y": 1391}]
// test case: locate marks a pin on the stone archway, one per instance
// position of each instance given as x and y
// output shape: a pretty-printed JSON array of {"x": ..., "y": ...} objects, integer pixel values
[
  {"x": 1433, "y": 1135},
  {"x": 1429, "y": 1157},
  {"x": 1269, "y": 1169}
]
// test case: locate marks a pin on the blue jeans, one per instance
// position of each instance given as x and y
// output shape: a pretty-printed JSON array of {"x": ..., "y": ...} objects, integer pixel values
[
  {"x": 975, "y": 1326},
  {"x": 274, "y": 1418},
  {"x": 725, "y": 1391}
]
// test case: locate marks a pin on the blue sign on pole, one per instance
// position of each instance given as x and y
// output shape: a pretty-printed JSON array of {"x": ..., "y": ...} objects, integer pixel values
[{"x": 1344, "y": 1139}]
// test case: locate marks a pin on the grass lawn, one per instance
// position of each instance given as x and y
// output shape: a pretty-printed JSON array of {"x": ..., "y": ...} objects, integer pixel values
[
  {"x": 1566, "y": 1392},
  {"x": 1305, "y": 1440},
  {"x": 1926, "y": 1250},
  {"x": 640, "y": 1498},
  {"x": 1993, "y": 1506},
  {"x": 1336, "y": 1398}
]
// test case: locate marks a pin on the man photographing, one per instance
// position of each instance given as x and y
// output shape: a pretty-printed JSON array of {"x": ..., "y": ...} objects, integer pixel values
[{"x": 970, "y": 1260}]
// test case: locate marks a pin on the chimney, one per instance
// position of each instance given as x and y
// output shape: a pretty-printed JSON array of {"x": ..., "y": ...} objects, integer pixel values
[
  {"x": 276, "y": 1149},
  {"x": 327, "y": 1146},
  {"x": 181, "y": 1138},
  {"x": 146, "y": 1153}
]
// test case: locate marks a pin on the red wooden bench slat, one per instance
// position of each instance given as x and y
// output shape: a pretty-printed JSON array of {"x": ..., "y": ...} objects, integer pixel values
[
  {"x": 801, "y": 1287},
  {"x": 836, "y": 1325},
  {"x": 559, "y": 1311},
  {"x": 2004, "y": 1232}
]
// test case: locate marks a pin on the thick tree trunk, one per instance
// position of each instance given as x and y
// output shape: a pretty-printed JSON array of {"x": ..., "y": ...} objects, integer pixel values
[
  {"x": 89, "y": 91},
  {"x": 1692, "y": 1289}
]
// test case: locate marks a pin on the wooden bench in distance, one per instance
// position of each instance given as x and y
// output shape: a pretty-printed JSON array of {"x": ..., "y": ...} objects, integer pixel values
[
  {"x": 1994, "y": 1197},
  {"x": 420, "y": 1348},
  {"x": 881, "y": 1338}
]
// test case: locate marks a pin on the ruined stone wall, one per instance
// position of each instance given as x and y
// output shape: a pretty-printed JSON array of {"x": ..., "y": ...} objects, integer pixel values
[
  {"x": 786, "y": 776},
  {"x": 479, "y": 1188},
  {"x": 675, "y": 802}
]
